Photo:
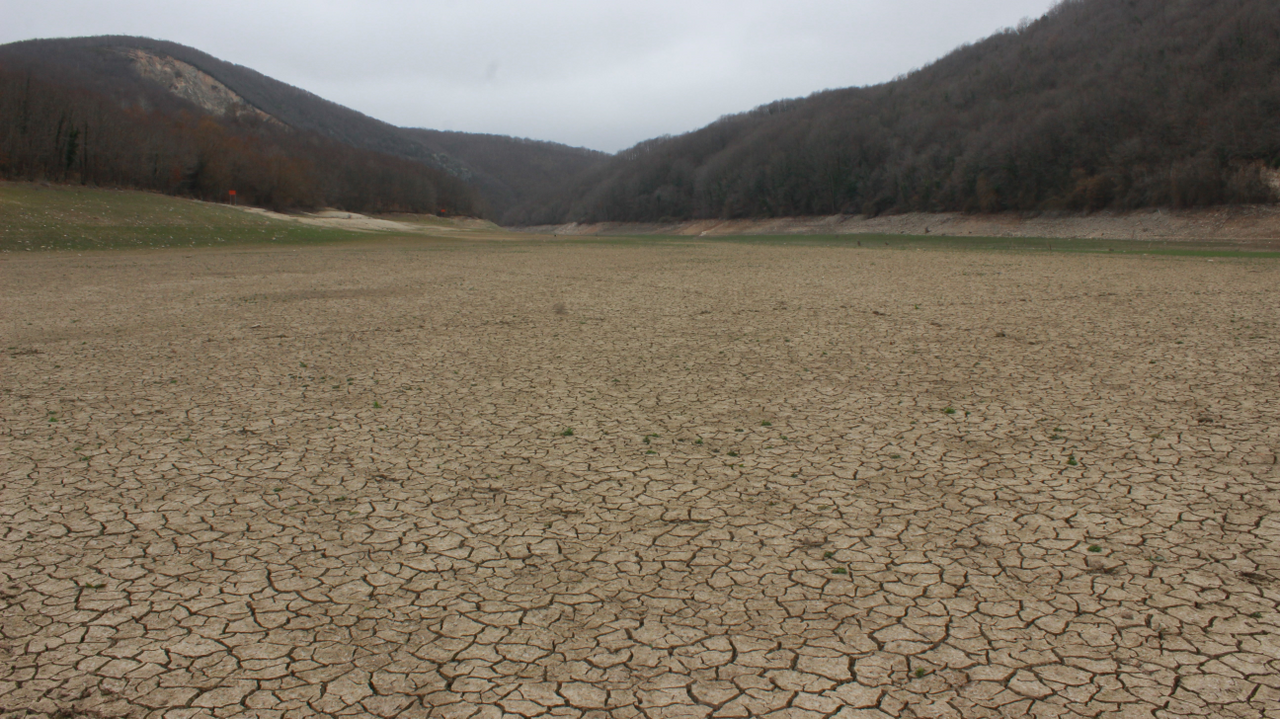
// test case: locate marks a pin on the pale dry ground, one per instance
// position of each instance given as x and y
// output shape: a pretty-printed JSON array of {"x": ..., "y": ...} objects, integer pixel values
[
  {"x": 436, "y": 227},
  {"x": 335, "y": 482},
  {"x": 1257, "y": 226}
]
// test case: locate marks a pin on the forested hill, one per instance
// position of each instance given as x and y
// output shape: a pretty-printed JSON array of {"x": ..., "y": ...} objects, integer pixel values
[
  {"x": 155, "y": 81},
  {"x": 1099, "y": 104},
  {"x": 510, "y": 170}
]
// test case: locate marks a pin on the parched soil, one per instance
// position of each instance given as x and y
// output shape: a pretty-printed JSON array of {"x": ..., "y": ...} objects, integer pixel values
[
  {"x": 568, "y": 480},
  {"x": 1256, "y": 224}
]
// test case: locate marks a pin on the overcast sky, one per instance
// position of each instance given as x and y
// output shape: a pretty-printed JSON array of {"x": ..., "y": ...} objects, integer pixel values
[{"x": 594, "y": 73}]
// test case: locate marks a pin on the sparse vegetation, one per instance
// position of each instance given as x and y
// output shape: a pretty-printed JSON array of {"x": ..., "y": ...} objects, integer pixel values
[{"x": 33, "y": 217}]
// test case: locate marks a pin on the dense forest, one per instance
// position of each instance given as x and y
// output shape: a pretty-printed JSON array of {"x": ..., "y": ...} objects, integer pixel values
[
  {"x": 1099, "y": 104},
  {"x": 308, "y": 152}
]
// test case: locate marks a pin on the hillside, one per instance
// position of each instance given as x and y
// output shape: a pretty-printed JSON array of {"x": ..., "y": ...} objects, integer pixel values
[
  {"x": 510, "y": 170},
  {"x": 62, "y": 217},
  {"x": 1115, "y": 104},
  {"x": 43, "y": 216},
  {"x": 168, "y": 78}
]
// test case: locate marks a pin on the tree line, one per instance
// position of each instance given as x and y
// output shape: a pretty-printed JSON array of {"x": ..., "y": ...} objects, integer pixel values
[
  {"x": 53, "y": 128},
  {"x": 504, "y": 170},
  {"x": 1100, "y": 104}
]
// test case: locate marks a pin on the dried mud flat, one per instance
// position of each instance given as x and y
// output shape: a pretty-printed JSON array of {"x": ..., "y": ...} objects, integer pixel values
[{"x": 801, "y": 482}]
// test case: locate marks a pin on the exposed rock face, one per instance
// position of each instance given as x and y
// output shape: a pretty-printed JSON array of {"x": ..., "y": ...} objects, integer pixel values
[
  {"x": 190, "y": 83},
  {"x": 1272, "y": 178}
]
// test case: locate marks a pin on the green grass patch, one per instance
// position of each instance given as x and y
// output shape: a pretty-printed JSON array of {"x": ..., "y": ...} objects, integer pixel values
[{"x": 59, "y": 217}]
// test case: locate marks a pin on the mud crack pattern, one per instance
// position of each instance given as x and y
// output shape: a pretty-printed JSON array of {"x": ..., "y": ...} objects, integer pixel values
[{"x": 704, "y": 480}]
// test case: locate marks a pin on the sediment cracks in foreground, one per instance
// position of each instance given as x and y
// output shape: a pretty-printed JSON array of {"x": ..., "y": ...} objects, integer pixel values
[{"x": 623, "y": 480}]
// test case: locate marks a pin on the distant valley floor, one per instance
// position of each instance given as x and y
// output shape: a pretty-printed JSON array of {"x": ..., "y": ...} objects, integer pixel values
[{"x": 1250, "y": 223}]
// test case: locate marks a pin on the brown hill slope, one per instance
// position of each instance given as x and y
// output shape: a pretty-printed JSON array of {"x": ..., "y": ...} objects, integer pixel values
[{"x": 169, "y": 78}]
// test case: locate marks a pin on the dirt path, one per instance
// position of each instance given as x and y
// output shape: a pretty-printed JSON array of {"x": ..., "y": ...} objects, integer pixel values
[{"x": 563, "y": 480}]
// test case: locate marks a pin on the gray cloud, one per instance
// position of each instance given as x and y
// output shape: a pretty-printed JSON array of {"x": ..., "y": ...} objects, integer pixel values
[{"x": 584, "y": 72}]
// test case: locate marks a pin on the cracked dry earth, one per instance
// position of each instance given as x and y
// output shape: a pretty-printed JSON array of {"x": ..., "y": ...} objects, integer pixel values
[{"x": 801, "y": 482}]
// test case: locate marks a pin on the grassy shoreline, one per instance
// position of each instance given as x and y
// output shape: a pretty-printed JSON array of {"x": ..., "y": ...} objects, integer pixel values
[{"x": 44, "y": 218}]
